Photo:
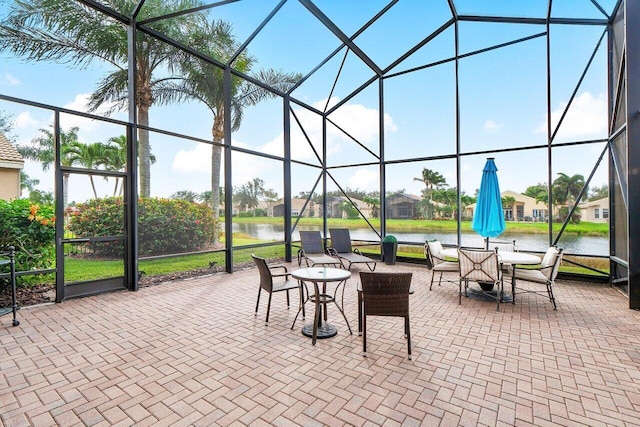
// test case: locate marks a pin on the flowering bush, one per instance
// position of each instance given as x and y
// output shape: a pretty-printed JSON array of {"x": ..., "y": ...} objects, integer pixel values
[
  {"x": 165, "y": 226},
  {"x": 30, "y": 228}
]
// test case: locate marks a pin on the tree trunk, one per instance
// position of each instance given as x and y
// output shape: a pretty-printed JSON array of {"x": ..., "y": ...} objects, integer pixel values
[
  {"x": 144, "y": 153},
  {"x": 65, "y": 189},
  {"x": 216, "y": 165},
  {"x": 93, "y": 186}
]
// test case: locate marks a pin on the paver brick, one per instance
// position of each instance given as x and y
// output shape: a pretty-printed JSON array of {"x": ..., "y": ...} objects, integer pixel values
[{"x": 192, "y": 353}]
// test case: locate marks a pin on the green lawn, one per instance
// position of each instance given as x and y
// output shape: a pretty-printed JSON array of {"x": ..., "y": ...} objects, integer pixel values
[{"x": 81, "y": 269}]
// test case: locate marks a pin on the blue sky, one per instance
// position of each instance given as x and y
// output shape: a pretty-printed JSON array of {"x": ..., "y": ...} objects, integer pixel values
[{"x": 502, "y": 98}]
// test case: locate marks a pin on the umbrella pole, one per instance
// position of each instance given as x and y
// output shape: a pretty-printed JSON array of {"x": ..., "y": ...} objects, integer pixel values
[{"x": 486, "y": 243}]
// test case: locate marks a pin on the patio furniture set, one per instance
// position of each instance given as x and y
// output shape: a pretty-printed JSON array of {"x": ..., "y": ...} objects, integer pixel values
[
  {"x": 387, "y": 294},
  {"x": 379, "y": 294},
  {"x": 489, "y": 267}
]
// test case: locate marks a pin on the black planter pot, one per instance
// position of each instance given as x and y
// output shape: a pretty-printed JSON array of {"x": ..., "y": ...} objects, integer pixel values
[{"x": 389, "y": 252}]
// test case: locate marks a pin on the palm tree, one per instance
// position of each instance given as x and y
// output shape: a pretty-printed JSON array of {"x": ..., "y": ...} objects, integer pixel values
[
  {"x": 28, "y": 183},
  {"x": 89, "y": 156},
  {"x": 42, "y": 150},
  {"x": 65, "y": 31},
  {"x": 432, "y": 180},
  {"x": 566, "y": 190},
  {"x": 204, "y": 82},
  {"x": 116, "y": 158},
  {"x": 509, "y": 203}
]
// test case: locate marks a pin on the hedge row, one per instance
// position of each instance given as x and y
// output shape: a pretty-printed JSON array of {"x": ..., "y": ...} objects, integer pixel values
[{"x": 165, "y": 226}]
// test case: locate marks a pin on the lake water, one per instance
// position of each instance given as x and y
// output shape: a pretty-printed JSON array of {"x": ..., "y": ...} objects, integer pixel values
[{"x": 571, "y": 244}]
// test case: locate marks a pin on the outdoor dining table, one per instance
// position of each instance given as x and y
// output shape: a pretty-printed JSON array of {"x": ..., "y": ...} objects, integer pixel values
[
  {"x": 320, "y": 328},
  {"x": 505, "y": 257}
]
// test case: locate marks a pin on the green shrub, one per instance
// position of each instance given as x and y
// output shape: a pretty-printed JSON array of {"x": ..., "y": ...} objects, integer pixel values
[
  {"x": 30, "y": 228},
  {"x": 165, "y": 226}
]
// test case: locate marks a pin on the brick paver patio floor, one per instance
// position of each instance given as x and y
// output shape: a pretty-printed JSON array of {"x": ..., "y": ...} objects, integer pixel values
[{"x": 192, "y": 353}]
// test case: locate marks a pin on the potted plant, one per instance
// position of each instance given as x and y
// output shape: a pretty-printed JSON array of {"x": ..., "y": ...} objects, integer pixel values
[{"x": 389, "y": 249}]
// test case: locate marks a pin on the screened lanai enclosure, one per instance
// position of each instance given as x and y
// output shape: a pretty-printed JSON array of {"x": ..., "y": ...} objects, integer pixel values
[{"x": 189, "y": 134}]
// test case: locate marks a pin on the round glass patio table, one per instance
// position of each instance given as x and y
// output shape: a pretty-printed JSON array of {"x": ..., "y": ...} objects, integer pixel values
[{"x": 322, "y": 275}]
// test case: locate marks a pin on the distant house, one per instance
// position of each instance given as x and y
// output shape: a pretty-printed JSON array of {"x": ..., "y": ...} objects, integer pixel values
[
  {"x": 524, "y": 208},
  {"x": 595, "y": 210},
  {"x": 402, "y": 206},
  {"x": 334, "y": 207},
  {"x": 297, "y": 204},
  {"x": 11, "y": 163}
]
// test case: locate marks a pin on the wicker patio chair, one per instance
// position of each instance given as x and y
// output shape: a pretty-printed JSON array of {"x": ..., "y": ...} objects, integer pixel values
[
  {"x": 341, "y": 247},
  {"x": 482, "y": 267},
  {"x": 545, "y": 275},
  {"x": 384, "y": 294},
  {"x": 433, "y": 252},
  {"x": 312, "y": 251},
  {"x": 282, "y": 282}
]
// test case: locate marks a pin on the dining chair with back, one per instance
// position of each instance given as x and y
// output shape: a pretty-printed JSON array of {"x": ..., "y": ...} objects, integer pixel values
[
  {"x": 274, "y": 279},
  {"x": 384, "y": 294},
  {"x": 502, "y": 245},
  {"x": 543, "y": 275},
  {"x": 433, "y": 252},
  {"x": 482, "y": 267}
]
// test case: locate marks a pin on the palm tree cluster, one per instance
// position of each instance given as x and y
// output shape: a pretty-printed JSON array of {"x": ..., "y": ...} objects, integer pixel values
[
  {"x": 110, "y": 155},
  {"x": 437, "y": 198},
  {"x": 68, "y": 32}
]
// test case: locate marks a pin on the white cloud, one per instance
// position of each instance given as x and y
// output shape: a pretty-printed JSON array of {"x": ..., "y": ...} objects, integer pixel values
[
  {"x": 365, "y": 179},
  {"x": 197, "y": 160},
  {"x": 11, "y": 80},
  {"x": 586, "y": 117},
  {"x": 26, "y": 121},
  {"x": 492, "y": 126},
  {"x": 359, "y": 121},
  {"x": 246, "y": 166},
  {"x": 90, "y": 130}
]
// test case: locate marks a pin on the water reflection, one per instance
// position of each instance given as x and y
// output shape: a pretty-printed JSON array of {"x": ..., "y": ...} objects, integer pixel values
[{"x": 583, "y": 245}]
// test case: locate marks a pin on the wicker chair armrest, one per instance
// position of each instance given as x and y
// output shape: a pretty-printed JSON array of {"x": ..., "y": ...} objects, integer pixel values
[{"x": 285, "y": 273}]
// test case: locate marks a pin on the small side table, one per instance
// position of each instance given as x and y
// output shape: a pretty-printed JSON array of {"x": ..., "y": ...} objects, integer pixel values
[{"x": 12, "y": 278}]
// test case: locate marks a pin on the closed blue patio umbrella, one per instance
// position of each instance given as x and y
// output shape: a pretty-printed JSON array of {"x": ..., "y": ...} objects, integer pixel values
[{"x": 488, "y": 218}]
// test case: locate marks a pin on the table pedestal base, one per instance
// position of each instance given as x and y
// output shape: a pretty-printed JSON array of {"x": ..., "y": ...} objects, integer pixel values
[
  {"x": 324, "y": 331},
  {"x": 488, "y": 295}
]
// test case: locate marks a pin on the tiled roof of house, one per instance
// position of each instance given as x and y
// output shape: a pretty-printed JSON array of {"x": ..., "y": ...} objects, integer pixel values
[{"x": 7, "y": 151}]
